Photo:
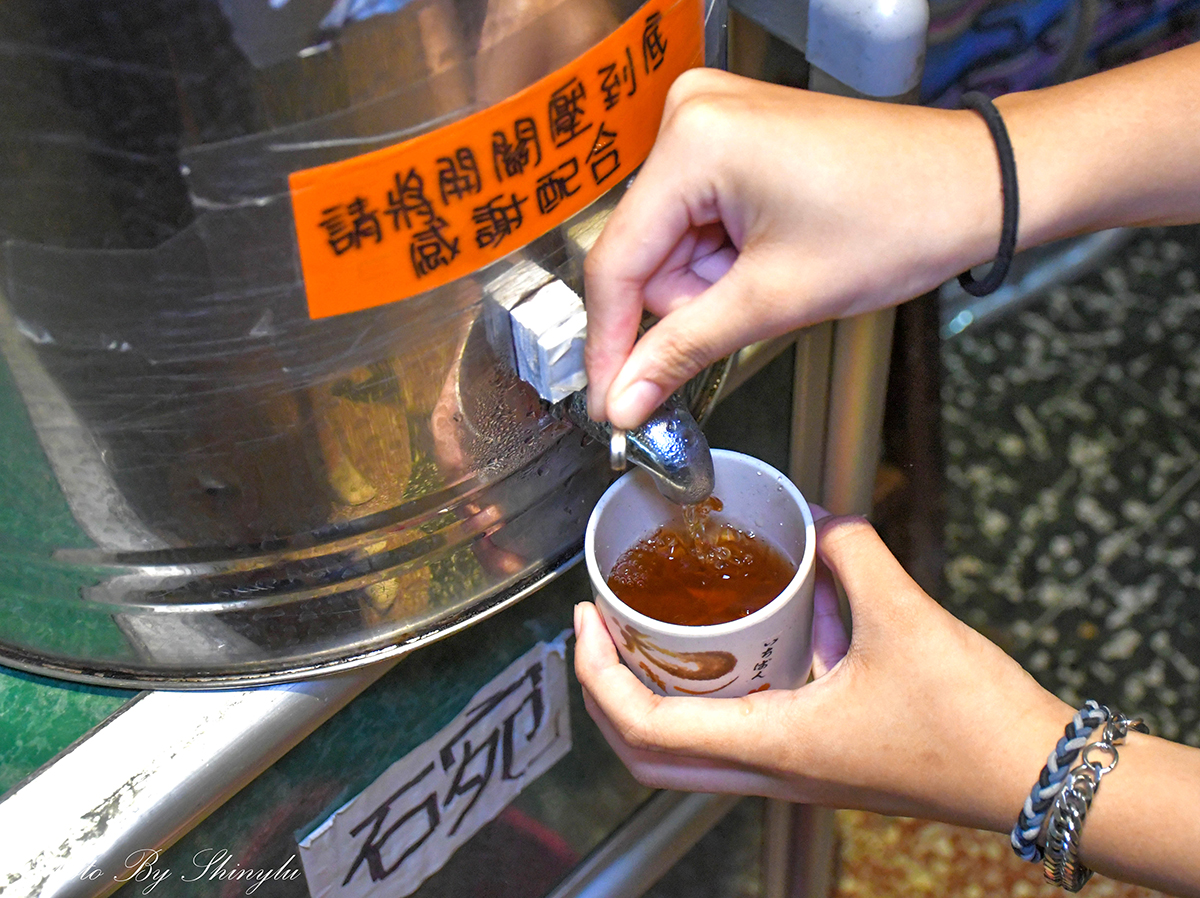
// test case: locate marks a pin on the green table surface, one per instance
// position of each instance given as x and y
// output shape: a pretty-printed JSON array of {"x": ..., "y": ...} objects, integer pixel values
[{"x": 41, "y": 717}]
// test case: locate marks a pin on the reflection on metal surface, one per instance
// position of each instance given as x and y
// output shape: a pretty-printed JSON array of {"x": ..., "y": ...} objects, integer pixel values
[
  {"x": 810, "y": 410},
  {"x": 202, "y": 485},
  {"x": 857, "y": 389}
]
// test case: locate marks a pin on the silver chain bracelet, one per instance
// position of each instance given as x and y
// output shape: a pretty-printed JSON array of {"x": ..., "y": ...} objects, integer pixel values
[{"x": 1060, "y": 864}]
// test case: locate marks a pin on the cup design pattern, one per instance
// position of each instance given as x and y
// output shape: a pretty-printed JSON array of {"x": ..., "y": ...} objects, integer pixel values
[{"x": 698, "y": 666}]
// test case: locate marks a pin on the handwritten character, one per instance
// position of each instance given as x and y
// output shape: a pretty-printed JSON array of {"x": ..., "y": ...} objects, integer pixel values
[
  {"x": 345, "y": 235},
  {"x": 497, "y": 219},
  {"x": 613, "y": 79},
  {"x": 431, "y": 248},
  {"x": 567, "y": 115},
  {"x": 372, "y": 848},
  {"x": 537, "y": 711},
  {"x": 555, "y": 186},
  {"x": 459, "y": 751},
  {"x": 474, "y": 785},
  {"x": 407, "y": 200},
  {"x": 458, "y": 176},
  {"x": 654, "y": 45},
  {"x": 511, "y": 158},
  {"x": 604, "y": 157}
]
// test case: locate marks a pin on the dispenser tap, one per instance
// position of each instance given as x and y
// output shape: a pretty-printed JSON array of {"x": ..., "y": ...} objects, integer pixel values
[
  {"x": 670, "y": 445},
  {"x": 537, "y": 323}
]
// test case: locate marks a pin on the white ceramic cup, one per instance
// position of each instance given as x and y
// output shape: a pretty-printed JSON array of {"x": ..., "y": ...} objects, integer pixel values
[{"x": 771, "y": 647}]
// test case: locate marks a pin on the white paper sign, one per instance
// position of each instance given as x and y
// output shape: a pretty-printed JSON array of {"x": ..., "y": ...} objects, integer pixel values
[{"x": 404, "y": 826}]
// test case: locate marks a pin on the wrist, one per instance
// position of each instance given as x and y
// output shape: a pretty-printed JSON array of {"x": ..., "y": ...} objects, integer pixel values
[
  {"x": 1022, "y": 749},
  {"x": 1056, "y": 181},
  {"x": 1110, "y": 150},
  {"x": 986, "y": 784},
  {"x": 953, "y": 195}
]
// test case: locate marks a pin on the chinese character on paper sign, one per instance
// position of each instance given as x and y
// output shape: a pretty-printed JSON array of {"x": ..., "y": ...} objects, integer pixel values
[
  {"x": 555, "y": 186},
  {"x": 431, "y": 248},
  {"x": 654, "y": 45},
  {"x": 566, "y": 113},
  {"x": 503, "y": 736},
  {"x": 604, "y": 157},
  {"x": 613, "y": 79},
  {"x": 372, "y": 849},
  {"x": 485, "y": 749},
  {"x": 403, "y": 827},
  {"x": 340, "y": 237},
  {"x": 497, "y": 219},
  {"x": 458, "y": 176},
  {"x": 343, "y": 235},
  {"x": 408, "y": 200},
  {"x": 511, "y": 159}
]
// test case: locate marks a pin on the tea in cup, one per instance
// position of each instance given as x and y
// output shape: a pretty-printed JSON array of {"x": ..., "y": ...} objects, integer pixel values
[{"x": 713, "y": 599}]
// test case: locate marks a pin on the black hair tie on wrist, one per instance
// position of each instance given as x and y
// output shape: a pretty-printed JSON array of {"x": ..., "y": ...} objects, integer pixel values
[{"x": 982, "y": 104}]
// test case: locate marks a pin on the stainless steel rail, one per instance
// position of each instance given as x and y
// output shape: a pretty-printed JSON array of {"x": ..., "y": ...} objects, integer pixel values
[
  {"x": 150, "y": 774},
  {"x": 646, "y": 845}
]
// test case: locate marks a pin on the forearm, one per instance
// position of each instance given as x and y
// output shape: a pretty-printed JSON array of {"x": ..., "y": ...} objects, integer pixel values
[
  {"x": 921, "y": 717},
  {"x": 1120, "y": 148},
  {"x": 1143, "y": 826}
]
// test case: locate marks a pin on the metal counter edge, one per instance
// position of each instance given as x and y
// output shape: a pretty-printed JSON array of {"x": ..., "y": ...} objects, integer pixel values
[{"x": 70, "y": 828}]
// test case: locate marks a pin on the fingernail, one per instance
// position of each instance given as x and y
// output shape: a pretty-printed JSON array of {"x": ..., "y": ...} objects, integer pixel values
[
  {"x": 578, "y": 617},
  {"x": 633, "y": 405}
]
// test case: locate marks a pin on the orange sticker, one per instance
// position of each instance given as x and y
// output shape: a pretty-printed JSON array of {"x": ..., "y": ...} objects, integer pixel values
[{"x": 396, "y": 222}]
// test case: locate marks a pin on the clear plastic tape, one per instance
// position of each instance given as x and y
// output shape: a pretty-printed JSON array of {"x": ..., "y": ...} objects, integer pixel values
[{"x": 454, "y": 82}]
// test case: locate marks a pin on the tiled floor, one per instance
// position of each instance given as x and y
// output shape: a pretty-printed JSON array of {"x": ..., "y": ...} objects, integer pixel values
[{"x": 1072, "y": 435}]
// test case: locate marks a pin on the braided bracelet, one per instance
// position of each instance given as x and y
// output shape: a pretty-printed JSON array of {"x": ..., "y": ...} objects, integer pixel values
[{"x": 1050, "y": 782}]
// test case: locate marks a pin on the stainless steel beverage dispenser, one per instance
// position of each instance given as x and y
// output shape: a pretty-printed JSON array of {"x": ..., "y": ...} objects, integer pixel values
[
  {"x": 210, "y": 477},
  {"x": 154, "y": 529}
]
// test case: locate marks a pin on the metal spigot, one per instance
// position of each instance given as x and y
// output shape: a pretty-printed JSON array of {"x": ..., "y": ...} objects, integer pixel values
[
  {"x": 537, "y": 324},
  {"x": 670, "y": 445}
]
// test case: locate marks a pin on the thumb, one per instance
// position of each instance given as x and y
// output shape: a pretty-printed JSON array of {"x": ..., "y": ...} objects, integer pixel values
[
  {"x": 878, "y": 589},
  {"x": 691, "y": 336}
]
